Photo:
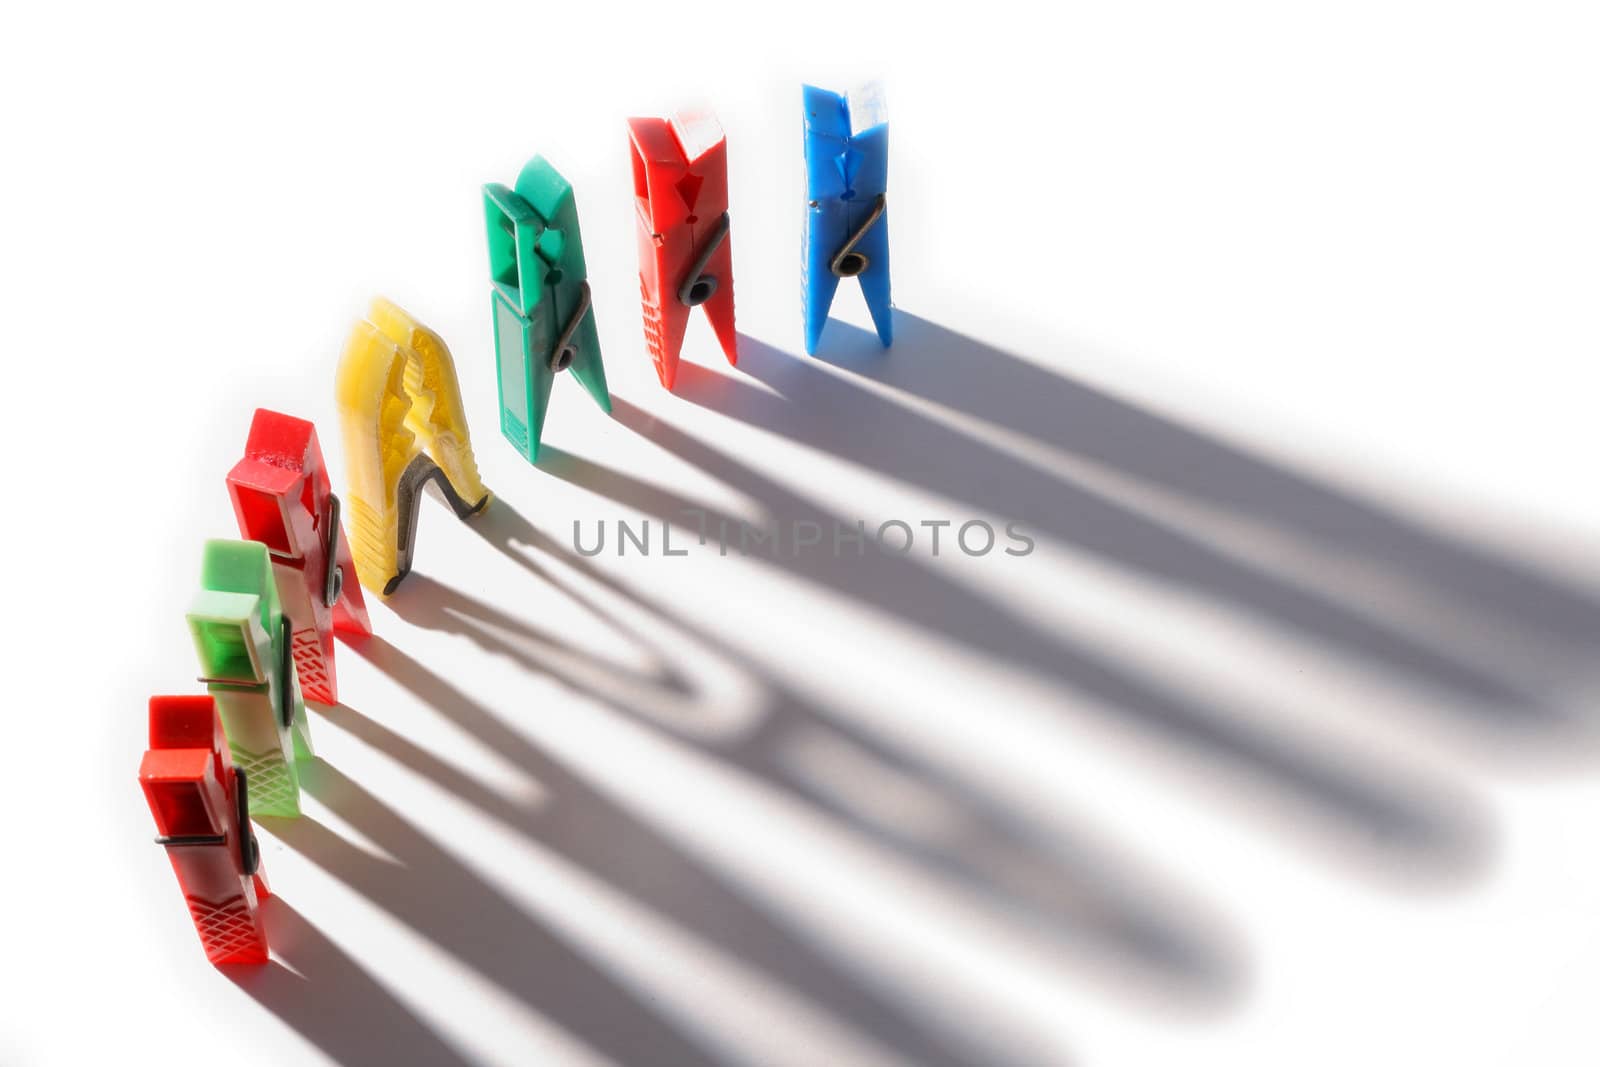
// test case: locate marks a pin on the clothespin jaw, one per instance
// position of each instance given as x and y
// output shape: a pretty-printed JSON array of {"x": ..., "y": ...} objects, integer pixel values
[
  {"x": 243, "y": 641},
  {"x": 847, "y": 222},
  {"x": 199, "y": 801},
  {"x": 543, "y": 310},
  {"x": 404, "y": 425},
  {"x": 680, "y": 185},
  {"x": 282, "y": 498}
]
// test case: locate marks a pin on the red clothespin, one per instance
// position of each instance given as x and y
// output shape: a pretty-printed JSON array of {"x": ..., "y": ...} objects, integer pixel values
[
  {"x": 282, "y": 498},
  {"x": 202, "y": 813},
  {"x": 680, "y": 184}
]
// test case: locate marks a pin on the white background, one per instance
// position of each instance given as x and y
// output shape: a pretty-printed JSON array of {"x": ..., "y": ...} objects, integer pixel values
[{"x": 1276, "y": 323}]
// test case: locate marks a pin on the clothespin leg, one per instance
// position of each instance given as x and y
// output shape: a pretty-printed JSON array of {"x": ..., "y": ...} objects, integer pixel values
[
  {"x": 251, "y": 717},
  {"x": 719, "y": 309},
  {"x": 539, "y": 382},
  {"x": 300, "y": 733},
  {"x": 350, "y": 609},
  {"x": 525, "y": 377},
  {"x": 664, "y": 324},
  {"x": 819, "y": 283},
  {"x": 875, "y": 280},
  {"x": 587, "y": 367}
]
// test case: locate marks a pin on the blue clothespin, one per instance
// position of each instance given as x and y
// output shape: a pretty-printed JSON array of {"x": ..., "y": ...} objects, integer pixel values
[{"x": 847, "y": 221}]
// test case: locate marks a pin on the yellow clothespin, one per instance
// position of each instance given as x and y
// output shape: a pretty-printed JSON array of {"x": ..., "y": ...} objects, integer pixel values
[{"x": 404, "y": 425}]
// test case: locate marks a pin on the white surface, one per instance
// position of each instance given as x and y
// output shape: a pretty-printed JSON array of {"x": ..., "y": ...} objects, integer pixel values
[{"x": 1276, "y": 323}]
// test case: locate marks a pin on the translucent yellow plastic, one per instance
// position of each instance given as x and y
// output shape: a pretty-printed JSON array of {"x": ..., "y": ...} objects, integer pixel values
[{"x": 398, "y": 397}]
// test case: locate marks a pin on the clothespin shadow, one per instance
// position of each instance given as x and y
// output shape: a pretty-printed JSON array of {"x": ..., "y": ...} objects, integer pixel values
[
  {"x": 319, "y": 991},
  {"x": 1387, "y": 820},
  {"x": 591, "y": 829},
  {"x": 1117, "y": 917},
  {"x": 825, "y": 409},
  {"x": 1544, "y": 618},
  {"x": 433, "y": 893}
]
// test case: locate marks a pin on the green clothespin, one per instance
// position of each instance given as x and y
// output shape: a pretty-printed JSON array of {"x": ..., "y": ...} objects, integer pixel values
[
  {"x": 543, "y": 314},
  {"x": 243, "y": 640}
]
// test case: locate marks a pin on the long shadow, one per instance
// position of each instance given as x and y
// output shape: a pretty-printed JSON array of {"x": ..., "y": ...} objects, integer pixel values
[
  {"x": 1109, "y": 916},
  {"x": 599, "y": 835},
  {"x": 333, "y": 1002},
  {"x": 1395, "y": 819},
  {"x": 434, "y": 894},
  {"x": 964, "y": 374},
  {"x": 833, "y": 413}
]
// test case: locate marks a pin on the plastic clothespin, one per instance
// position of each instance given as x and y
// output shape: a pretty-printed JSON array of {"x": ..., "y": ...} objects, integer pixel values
[
  {"x": 543, "y": 311},
  {"x": 847, "y": 221},
  {"x": 199, "y": 800},
  {"x": 243, "y": 640},
  {"x": 404, "y": 426},
  {"x": 282, "y": 498},
  {"x": 680, "y": 187}
]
